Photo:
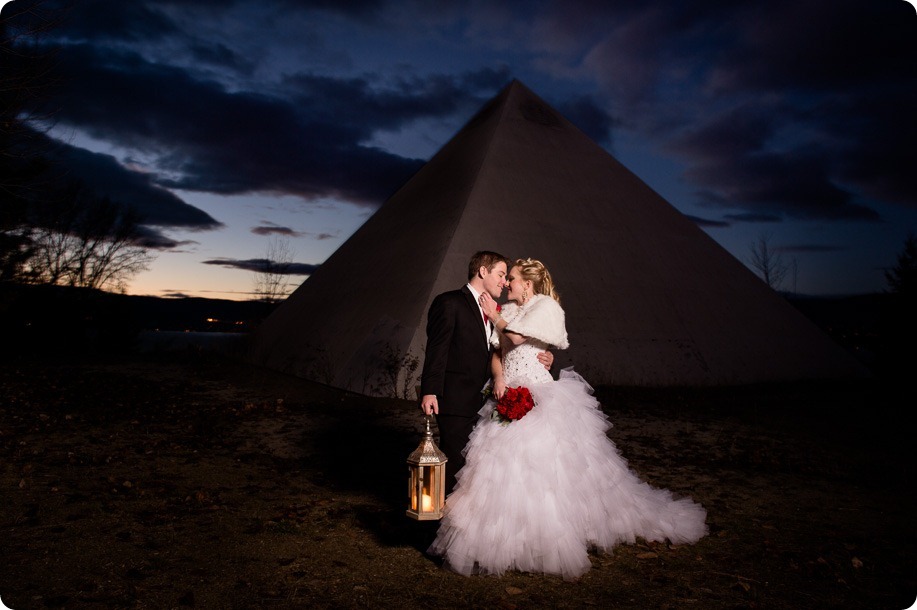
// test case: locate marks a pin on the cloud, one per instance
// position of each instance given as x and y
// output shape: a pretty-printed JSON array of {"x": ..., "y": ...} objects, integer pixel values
[
  {"x": 156, "y": 240},
  {"x": 106, "y": 177},
  {"x": 800, "y": 46},
  {"x": 359, "y": 9},
  {"x": 269, "y": 228},
  {"x": 875, "y": 154},
  {"x": 218, "y": 54},
  {"x": 272, "y": 229},
  {"x": 305, "y": 135},
  {"x": 810, "y": 248},
  {"x": 801, "y": 110},
  {"x": 263, "y": 264},
  {"x": 322, "y": 236},
  {"x": 793, "y": 185},
  {"x": 790, "y": 112},
  {"x": 733, "y": 162},
  {"x": 749, "y": 217},
  {"x": 67, "y": 169},
  {"x": 205, "y": 138},
  {"x": 360, "y": 107},
  {"x": 132, "y": 79},
  {"x": 706, "y": 222},
  {"x": 105, "y": 21},
  {"x": 589, "y": 117}
]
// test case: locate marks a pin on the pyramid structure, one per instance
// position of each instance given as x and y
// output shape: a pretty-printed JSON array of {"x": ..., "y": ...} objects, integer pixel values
[{"x": 650, "y": 299}]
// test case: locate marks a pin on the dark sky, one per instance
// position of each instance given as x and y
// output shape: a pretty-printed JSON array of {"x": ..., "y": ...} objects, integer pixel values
[{"x": 230, "y": 123}]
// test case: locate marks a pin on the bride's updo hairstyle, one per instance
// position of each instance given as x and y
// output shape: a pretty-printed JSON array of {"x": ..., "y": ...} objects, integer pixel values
[{"x": 535, "y": 272}]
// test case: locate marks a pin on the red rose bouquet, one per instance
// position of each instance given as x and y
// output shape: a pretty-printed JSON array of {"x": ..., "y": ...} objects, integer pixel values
[{"x": 516, "y": 402}]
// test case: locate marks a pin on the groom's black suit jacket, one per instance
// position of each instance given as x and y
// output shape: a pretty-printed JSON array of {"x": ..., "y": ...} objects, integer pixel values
[
  {"x": 456, "y": 367},
  {"x": 457, "y": 361}
]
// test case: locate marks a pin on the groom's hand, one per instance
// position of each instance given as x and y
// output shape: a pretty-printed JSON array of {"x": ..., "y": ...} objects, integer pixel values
[
  {"x": 429, "y": 404},
  {"x": 546, "y": 358}
]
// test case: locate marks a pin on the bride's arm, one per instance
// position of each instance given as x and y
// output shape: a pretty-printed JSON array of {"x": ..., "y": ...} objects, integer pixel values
[
  {"x": 546, "y": 357},
  {"x": 496, "y": 370},
  {"x": 500, "y": 324},
  {"x": 489, "y": 306},
  {"x": 515, "y": 338}
]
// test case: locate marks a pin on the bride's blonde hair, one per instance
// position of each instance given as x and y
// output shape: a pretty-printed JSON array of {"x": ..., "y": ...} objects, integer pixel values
[{"x": 535, "y": 272}]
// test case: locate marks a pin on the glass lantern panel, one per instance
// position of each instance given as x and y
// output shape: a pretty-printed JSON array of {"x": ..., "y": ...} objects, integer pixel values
[
  {"x": 429, "y": 489},
  {"x": 413, "y": 486}
]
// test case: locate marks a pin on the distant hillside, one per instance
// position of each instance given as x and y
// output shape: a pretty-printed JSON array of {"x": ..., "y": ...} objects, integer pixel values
[
  {"x": 42, "y": 319},
  {"x": 855, "y": 322},
  {"x": 37, "y": 303},
  {"x": 198, "y": 314},
  {"x": 35, "y": 317}
]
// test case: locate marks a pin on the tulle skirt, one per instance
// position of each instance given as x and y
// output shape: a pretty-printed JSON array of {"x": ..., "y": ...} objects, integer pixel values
[{"x": 537, "y": 493}]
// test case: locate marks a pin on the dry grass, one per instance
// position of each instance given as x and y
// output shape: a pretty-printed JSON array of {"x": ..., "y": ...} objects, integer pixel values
[{"x": 193, "y": 481}]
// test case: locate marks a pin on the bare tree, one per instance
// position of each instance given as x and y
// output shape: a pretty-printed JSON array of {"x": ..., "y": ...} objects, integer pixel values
[
  {"x": 87, "y": 242},
  {"x": 54, "y": 225},
  {"x": 15, "y": 243},
  {"x": 106, "y": 253},
  {"x": 767, "y": 261},
  {"x": 271, "y": 281},
  {"x": 897, "y": 359},
  {"x": 396, "y": 365},
  {"x": 27, "y": 76},
  {"x": 902, "y": 278},
  {"x": 794, "y": 263},
  {"x": 50, "y": 231}
]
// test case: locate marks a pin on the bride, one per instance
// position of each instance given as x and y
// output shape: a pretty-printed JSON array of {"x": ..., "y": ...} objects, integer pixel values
[{"x": 537, "y": 492}]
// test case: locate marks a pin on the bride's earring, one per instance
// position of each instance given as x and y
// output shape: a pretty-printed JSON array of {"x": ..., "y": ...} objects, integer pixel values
[{"x": 525, "y": 296}]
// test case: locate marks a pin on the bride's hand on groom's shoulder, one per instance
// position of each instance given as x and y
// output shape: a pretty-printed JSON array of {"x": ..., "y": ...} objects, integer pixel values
[{"x": 488, "y": 305}]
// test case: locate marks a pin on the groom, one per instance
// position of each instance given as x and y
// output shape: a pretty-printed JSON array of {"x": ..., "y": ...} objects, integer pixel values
[{"x": 457, "y": 361}]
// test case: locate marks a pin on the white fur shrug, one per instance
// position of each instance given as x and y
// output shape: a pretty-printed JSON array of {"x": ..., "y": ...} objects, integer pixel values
[{"x": 541, "y": 318}]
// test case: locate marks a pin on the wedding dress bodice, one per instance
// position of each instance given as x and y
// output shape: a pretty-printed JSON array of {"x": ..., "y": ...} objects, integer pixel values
[
  {"x": 541, "y": 321},
  {"x": 520, "y": 363}
]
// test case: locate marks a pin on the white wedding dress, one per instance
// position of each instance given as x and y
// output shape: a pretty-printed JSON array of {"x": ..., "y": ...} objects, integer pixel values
[{"x": 536, "y": 493}]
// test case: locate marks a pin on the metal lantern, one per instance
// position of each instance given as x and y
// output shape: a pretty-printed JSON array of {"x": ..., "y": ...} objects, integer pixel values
[{"x": 426, "y": 479}]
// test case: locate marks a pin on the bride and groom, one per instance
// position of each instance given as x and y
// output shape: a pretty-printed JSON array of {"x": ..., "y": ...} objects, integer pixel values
[{"x": 534, "y": 494}]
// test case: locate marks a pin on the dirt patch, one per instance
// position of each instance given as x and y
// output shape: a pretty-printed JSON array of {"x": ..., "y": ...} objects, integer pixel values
[{"x": 200, "y": 482}]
